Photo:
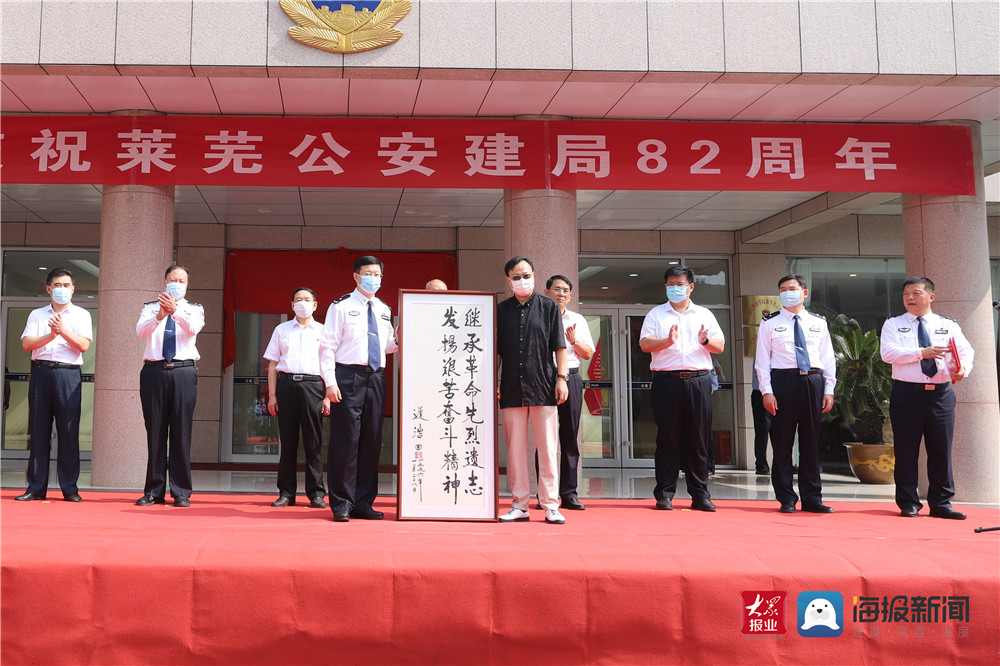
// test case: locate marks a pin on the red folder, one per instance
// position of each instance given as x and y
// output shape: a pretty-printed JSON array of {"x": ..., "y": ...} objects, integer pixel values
[{"x": 954, "y": 362}]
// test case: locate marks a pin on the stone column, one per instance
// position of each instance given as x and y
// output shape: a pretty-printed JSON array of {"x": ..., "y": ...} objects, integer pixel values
[
  {"x": 137, "y": 244},
  {"x": 945, "y": 239},
  {"x": 541, "y": 225}
]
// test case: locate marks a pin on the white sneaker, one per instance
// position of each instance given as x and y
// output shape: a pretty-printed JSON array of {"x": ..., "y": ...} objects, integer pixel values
[
  {"x": 553, "y": 516},
  {"x": 515, "y": 516}
]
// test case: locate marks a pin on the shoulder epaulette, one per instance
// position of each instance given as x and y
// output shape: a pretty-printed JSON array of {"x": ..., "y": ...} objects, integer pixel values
[
  {"x": 149, "y": 302},
  {"x": 196, "y": 304},
  {"x": 948, "y": 318},
  {"x": 771, "y": 316},
  {"x": 344, "y": 297},
  {"x": 898, "y": 315}
]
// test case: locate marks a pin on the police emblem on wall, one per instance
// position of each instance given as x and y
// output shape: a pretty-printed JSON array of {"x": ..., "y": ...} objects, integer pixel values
[{"x": 346, "y": 30}]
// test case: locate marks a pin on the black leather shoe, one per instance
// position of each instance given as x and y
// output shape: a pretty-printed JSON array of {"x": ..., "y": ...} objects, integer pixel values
[
  {"x": 664, "y": 505},
  {"x": 149, "y": 500},
  {"x": 29, "y": 497},
  {"x": 573, "y": 504},
  {"x": 947, "y": 512},
  {"x": 702, "y": 505},
  {"x": 182, "y": 501},
  {"x": 817, "y": 508},
  {"x": 538, "y": 505},
  {"x": 763, "y": 471},
  {"x": 367, "y": 513},
  {"x": 341, "y": 516},
  {"x": 317, "y": 502},
  {"x": 72, "y": 497},
  {"x": 911, "y": 512},
  {"x": 787, "y": 507},
  {"x": 283, "y": 500}
]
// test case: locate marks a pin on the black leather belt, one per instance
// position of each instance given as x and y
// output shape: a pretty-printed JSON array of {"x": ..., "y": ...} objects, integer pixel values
[
  {"x": 360, "y": 367},
  {"x": 680, "y": 374},
  {"x": 922, "y": 387},
  {"x": 796, "y": 371},
  {"x": 573, "y": 371},
  {"x": 55, "y": 364},
  {"x": 170, "y": 365},
  {"x": 299, "y": 378}
]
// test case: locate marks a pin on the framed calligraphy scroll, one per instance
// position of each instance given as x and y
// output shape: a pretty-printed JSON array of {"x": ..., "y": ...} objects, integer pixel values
[{"x": 447, "y": 417}]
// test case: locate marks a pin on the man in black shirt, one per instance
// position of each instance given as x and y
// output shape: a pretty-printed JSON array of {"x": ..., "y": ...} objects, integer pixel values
[{"x": 529, "y": 330}]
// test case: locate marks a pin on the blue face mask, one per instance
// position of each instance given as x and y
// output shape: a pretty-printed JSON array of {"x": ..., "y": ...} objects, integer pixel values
[
  {"x": 176, "y": 289},
  {"x": 371, "y": 283},
  {"x": 62, "y": 295},
  {"x": 790, "y": 299},
  {"x": 677, "y": 293}
]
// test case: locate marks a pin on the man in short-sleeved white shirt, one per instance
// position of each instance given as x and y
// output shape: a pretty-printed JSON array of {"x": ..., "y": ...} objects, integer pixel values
[
  {"x": 579, "y": 344},
  {"x": 56, "y": 335},
  {"x": 682, "y": 337}
]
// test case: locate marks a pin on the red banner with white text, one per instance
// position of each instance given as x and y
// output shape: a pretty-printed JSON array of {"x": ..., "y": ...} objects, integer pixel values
[{"x": 486, "y": 153}]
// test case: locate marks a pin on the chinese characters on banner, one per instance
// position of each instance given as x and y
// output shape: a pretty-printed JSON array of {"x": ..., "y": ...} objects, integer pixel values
[
  {"x": 447, "y": 406},
  {"x": 486, "y": 153}
]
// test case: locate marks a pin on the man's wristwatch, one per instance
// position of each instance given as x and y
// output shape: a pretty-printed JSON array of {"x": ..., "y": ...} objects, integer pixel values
[
  {"x": 705, "y": 342},
  {"x": 565, "y": 377}
]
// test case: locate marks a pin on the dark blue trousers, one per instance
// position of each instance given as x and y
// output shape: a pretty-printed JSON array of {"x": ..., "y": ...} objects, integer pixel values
[
  {"x": 800, "y": 405},
  {"x": 168, "y": 398},
  {"x": 917, "y": 413},
  {"x": 355, "y": 438},
  {"x": 54, "y": 394}
]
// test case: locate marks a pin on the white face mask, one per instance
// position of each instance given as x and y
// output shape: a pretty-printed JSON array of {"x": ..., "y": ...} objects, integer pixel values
[
  {"x": 523, "y": 287},
  {"x": 304, "y": 309},
  {"x": 176, "y": 289},
  {"x": 62, "y": 295}
]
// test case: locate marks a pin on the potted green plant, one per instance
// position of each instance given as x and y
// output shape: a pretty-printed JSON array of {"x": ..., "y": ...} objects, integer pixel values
[{"x": 861, "y": 399}]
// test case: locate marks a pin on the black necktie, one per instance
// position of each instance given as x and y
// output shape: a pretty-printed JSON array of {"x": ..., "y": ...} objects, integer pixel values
[
  {"x": 927, "y": 365},
  {"x": 374, "y": 353},
  {"x": 801, "y": 353},
  {"x": 169, "y": 340}
]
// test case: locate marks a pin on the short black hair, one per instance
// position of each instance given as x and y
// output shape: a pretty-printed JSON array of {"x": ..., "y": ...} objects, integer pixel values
[
  {"x": 918, "y": 279},
  {"x": 548, "y": 283},
  {"x": 59, "y": 272},
  {"x": 304, "y": 289},
  {"x": 368, "y": 260},
  {"x": 174, "y": 267},
  {"x": 794, "y": 276},
  {"x": 675, "y": 271},
  {"x": 514, "y": 262}
]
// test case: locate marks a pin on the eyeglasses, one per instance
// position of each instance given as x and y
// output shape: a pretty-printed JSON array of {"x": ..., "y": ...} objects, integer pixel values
[
  {"x": 560, "y": 290},
  {"x": 518, "y": 278},
  {"x": 370, "y": 274}
]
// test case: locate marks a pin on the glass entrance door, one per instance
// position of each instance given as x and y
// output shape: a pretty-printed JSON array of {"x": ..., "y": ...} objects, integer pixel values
[
  {"x": 618, "y": 381},
  {"x": 17, "y": 372}
]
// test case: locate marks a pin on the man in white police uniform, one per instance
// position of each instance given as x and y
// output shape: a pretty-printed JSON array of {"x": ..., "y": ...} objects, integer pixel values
[
  {"x": 922, "y": 405},
  {"x": 168, "y": 386},
  {"x": 579, "y": 345},
  {"x": 797, "y": 371},
  {"x": 357, "y": 335},
  {"x": 682, "y": 337},
  {"x": 56, "y": 335}
]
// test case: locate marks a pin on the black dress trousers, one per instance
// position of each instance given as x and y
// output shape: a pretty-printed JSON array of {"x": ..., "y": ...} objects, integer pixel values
[
  {"x": 54, "y": 393},
  {"x": 800, "y": 405},
  {"x": 917, "y": 413},
  {"x": 300, "y": 408},
  {"x": 355, "y": 438},
  {"x": 569, "y": 441},
  {"x": 168, "y": 397},
  {"x": 683, "y": 412},
  {"x": 761, "y": 426}
]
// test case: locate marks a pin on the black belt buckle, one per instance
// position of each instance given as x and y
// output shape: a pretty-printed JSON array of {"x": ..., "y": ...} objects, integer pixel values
[
  {"x": 684, "y": 375},
  {"x": 169, "y": 365}
]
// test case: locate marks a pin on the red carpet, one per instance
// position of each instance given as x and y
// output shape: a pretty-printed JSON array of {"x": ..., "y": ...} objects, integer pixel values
[{"x": 232, "y": 581}]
